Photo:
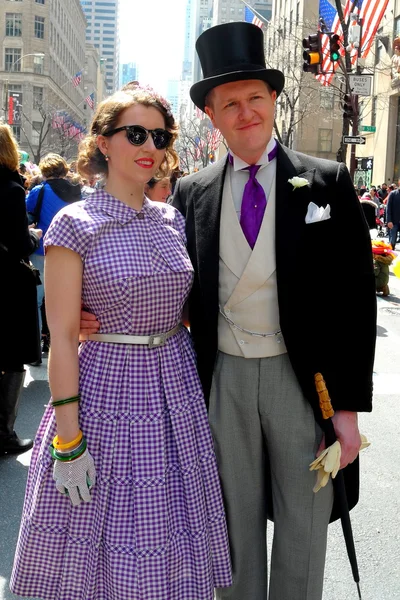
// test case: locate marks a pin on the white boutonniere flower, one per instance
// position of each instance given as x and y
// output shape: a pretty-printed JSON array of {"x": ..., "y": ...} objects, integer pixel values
[{"x": 298, "y": 182}]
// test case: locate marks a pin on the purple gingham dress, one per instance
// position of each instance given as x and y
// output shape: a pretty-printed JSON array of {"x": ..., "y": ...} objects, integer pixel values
[{"x": 155, "y": 528}]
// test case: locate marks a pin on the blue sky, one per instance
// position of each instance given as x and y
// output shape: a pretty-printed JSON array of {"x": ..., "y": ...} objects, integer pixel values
[{"x": 152, "y": 35}]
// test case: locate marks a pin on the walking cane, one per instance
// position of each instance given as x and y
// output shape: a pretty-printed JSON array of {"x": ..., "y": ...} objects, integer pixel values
[{"x": 338, "y": 482}]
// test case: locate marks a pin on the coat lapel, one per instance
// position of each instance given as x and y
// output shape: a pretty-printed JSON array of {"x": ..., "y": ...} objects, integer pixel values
[{"x": 207, "y": 215}]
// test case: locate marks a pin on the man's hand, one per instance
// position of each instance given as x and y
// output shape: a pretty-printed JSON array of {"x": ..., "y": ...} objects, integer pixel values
[
  {"x": 390, "y": 225},
  {"x": 89, "y": 323},
  {"x": 346, "y": 428}
]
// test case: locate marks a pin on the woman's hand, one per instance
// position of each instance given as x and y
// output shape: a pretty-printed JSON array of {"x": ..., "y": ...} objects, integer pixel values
[
  {"x": 75, "y": 477},
  {"x": 88, "y": 323}
]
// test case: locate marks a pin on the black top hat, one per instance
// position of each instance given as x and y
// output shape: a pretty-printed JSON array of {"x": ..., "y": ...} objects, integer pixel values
[{"x": 232, "y": 52}]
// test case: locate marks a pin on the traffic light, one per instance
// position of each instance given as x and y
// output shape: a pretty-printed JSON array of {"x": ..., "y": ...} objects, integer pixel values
[
  {"x": 334, "y": 47},
  {"x": 312, "y": 54},
  {"x": 348, "y": 107}
]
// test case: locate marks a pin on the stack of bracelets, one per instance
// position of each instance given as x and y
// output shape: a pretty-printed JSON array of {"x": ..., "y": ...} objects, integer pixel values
[{"x": 70, "y": 450}]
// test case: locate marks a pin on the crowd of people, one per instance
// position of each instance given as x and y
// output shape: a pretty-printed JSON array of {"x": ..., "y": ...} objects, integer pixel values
[
  {"x": 163, "y": 451},
  {"x": 381, "y": 206}
]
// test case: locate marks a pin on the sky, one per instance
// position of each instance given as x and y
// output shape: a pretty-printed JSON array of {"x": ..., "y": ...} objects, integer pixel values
[{"x": 152, "y": 35}]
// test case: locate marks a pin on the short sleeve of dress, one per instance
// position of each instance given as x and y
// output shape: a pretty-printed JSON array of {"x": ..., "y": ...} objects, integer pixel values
[{"x": 68, "y": 230}]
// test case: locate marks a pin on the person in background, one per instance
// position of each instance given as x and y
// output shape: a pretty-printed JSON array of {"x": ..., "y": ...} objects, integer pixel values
[
  {"x": 19, "y": 340},
  {"x": 174, "y": 178},
  {"x": 58, "y": 192},
  {"x": 393, "y": 216},
  {"x": 375, "y": 199},
  {"x": 158, "y": 190},
  {"x": 383, "y": 192},
  {"x": 140, "y": 514}
]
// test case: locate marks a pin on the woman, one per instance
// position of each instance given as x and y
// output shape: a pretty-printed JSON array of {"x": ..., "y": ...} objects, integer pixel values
[
  {"x": 128, "y": 409},
  {"x": 158, "y": 190},
  {"x": 19, "y": 342},
  {"x": 58, "y": 192}
]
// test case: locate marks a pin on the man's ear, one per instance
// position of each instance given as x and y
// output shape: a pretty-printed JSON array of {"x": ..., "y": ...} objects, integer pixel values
[
  {"x": 102, "y": 144},
  {"x": 210, "y": 114}
]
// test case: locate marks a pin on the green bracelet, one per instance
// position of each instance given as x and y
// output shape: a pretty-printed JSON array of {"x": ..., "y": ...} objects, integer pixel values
[
  {"x": 66, "y": 401},
  {"x": 71, "y": 455}
]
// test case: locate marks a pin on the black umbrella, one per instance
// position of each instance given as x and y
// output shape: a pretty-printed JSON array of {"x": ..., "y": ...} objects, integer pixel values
[{"x": 338, "y": 481}]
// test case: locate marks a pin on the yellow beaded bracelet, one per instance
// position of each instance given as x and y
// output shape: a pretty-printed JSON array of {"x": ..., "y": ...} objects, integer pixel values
[{"x": 59, "y": 446}]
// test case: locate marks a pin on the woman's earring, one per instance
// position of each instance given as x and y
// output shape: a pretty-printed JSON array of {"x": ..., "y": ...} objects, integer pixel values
[{"x": 106, "y": 157}]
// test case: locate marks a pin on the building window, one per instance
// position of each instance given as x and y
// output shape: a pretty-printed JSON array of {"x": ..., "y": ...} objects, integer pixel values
[
  {"x": 16, "y": 129},
  {"x": 37, "y": 96},
  {"x": 39, "y": 1},
  {"x": 11, "y": 56},
  {"x": 39, "y": 27},
  {"x": 325, "y": 140},
  {"x": 38, "y": 65},
  {"x": 326, "y": 99},
  {"x": 396, "y": 27},
  {"x": 378, "y": 47},
  {"x": 36, "y": 129},
  {"x": 14, "y": 24}
]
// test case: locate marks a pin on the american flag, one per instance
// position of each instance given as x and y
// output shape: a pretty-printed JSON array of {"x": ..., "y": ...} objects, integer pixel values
[
  {"x": 77, "y": 78},
  {"x": 250, "y": 17},
  {"x": 90, "y": 100},
  {"x": 371, "y": 13},
  {"x": 214, "y": 138}
]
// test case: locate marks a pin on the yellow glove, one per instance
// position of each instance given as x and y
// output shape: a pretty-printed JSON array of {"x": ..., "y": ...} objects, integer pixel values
[{"x": 328, "y": 463}]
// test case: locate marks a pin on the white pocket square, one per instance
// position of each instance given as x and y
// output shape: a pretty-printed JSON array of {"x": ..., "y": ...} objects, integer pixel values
[{"x": 317, "y": 213}]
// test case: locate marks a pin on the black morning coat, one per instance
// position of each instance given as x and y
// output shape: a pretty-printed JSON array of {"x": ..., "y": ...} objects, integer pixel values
[{"x": 327, "y": 313}]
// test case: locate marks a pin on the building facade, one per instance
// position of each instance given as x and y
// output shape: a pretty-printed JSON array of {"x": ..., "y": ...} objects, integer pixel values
[
  {"x": 43, "y": 48},
  {"x": 204, "y": 20},
  {"x": 308, "y": 115},
  {"x": 129, "y": 72},
  {"x": 189, "y": 40},
  {"x": 102, "y": 33}
]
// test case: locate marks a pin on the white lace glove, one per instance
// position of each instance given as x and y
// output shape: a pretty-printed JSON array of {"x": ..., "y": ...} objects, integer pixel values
[{"x": 75, "y": 477}]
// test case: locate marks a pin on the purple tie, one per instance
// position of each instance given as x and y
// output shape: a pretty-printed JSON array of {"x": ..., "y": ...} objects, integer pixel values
[{"x": 254, "y": 202}]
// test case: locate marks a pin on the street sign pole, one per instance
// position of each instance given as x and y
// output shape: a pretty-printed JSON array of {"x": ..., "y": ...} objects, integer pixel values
[{"x": 353, "y": 161}]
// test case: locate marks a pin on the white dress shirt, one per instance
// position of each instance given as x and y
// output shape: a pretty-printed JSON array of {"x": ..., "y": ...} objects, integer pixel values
[{"x": 239, "y": 178}]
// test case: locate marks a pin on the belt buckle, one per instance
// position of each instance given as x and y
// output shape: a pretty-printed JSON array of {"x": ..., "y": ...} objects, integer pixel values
[{"x": 157, "y": 340}]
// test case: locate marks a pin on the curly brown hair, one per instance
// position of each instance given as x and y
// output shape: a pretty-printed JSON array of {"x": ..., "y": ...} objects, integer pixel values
[{"x": 91, "y": 160}]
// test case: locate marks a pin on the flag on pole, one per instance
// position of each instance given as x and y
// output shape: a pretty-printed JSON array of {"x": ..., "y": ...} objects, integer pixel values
[
  {"x": 250, "y": 17},
  {"x": 77, "y": 78},
  {"x": 370, "y": 13},
  {"x": 90, "y": 100}
]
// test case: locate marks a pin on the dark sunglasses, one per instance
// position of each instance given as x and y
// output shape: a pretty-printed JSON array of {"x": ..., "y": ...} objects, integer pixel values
[{"x": 137, "y": 135}]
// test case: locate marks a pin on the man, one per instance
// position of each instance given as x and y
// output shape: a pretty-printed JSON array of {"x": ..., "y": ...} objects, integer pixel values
[
  {"x": 393, "y": 215},
  {"x": 267, "y": 312},
  {"x": 383, "y": 192}
]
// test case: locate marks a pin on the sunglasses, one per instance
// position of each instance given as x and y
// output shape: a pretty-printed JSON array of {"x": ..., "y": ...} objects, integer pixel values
[{"x": 137, "y": 135}]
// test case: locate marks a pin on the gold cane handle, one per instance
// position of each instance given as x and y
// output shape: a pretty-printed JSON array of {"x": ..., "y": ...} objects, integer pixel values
[{"x": 324, "y": 399}]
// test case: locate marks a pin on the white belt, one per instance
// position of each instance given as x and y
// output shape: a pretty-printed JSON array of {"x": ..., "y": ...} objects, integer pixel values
[{"x": 152, "y": 341}]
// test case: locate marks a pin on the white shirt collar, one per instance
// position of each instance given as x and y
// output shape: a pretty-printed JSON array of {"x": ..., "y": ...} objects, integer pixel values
[{"x": 239, "y": 164}]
